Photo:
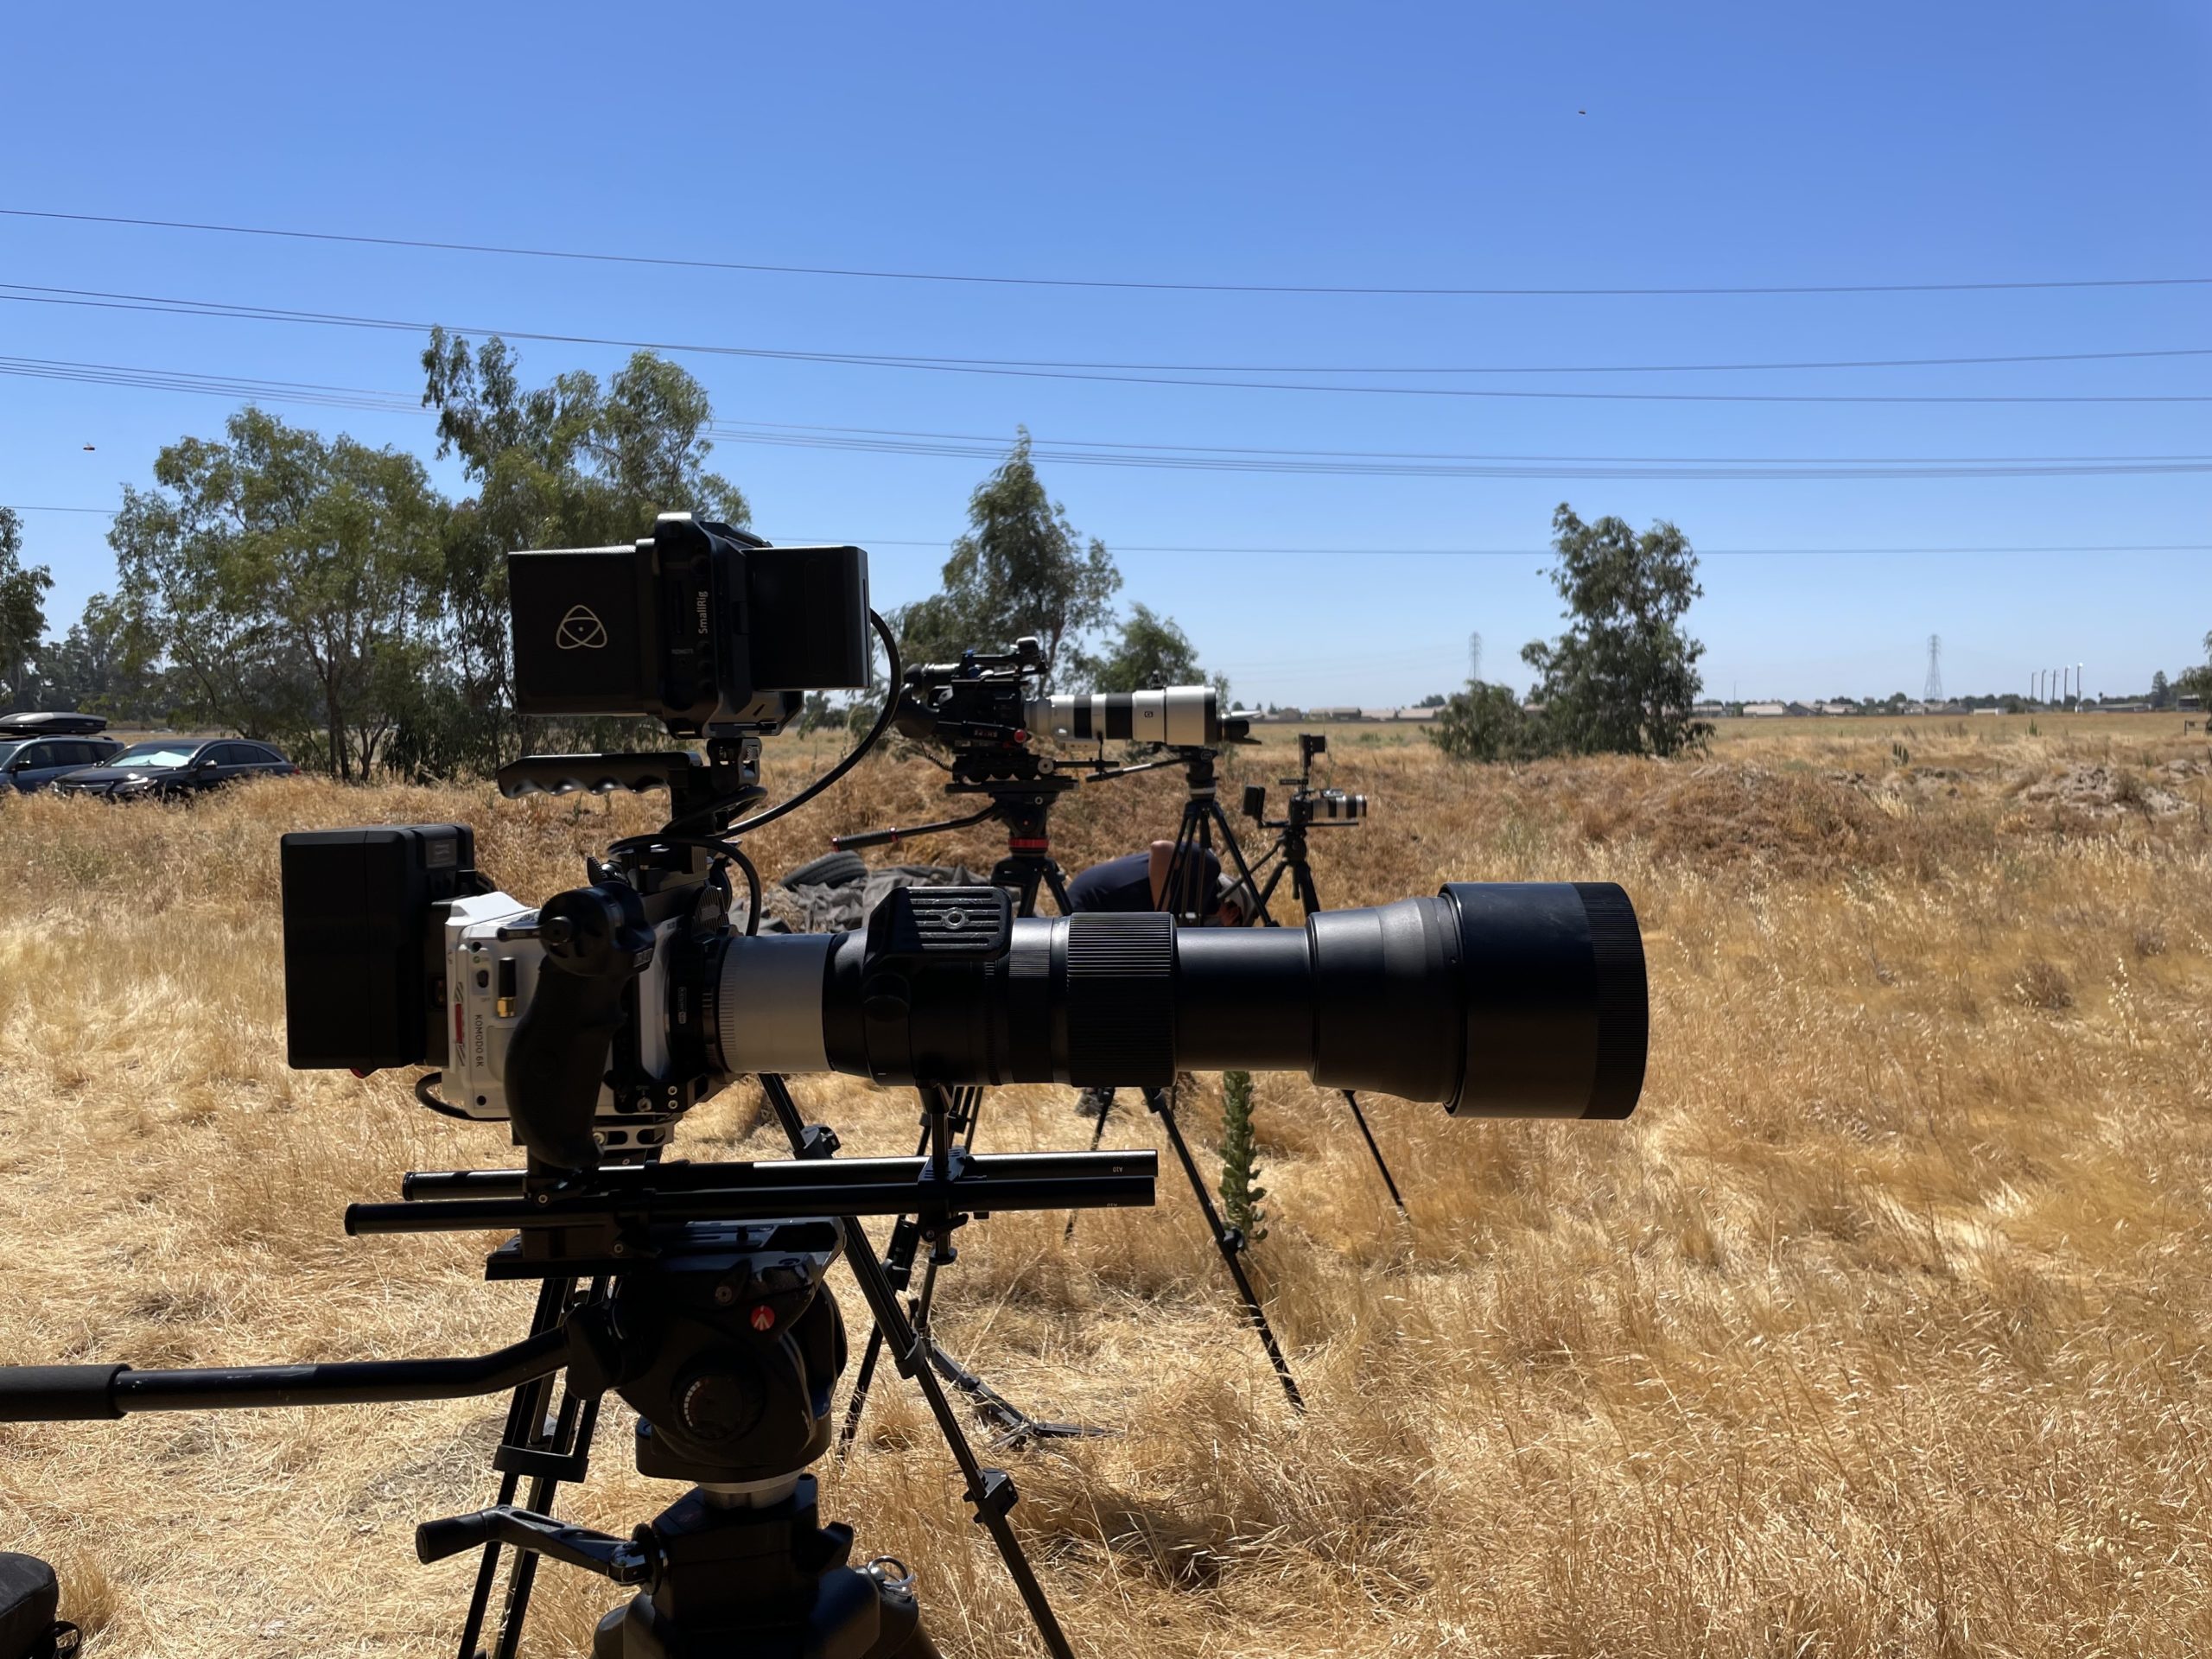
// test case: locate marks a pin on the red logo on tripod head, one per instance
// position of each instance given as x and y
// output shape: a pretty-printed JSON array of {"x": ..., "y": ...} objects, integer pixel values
[{"x": 764, "y": 1318}]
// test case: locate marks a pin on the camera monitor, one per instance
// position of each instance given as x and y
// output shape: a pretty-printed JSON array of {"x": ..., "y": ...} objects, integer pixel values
[{"x": 706, "y": 628}]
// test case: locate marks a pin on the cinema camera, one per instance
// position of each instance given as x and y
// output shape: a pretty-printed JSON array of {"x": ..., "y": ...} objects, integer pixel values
[
  {"x": 591, "y": 1022},
  {"x": 987, "y": 697},
  {"x": 986, "y": 711}
]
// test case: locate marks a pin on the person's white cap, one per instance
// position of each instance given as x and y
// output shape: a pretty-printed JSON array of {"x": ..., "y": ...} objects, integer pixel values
[{"x": 1236, "y": 890}]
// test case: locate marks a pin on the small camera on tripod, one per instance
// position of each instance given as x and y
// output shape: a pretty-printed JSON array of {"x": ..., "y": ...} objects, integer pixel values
[{"x": 1307, "y": 808}]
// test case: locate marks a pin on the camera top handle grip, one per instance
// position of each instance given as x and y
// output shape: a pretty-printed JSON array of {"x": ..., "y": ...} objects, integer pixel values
[{"x": 597, "y": 774}]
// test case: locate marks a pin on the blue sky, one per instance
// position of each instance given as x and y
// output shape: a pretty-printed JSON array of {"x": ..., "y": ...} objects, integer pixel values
[{"x": 1474, "y": 146}]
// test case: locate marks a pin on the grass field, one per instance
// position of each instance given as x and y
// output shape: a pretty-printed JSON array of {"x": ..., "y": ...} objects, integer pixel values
[{"x": 1880, "y": 1329}]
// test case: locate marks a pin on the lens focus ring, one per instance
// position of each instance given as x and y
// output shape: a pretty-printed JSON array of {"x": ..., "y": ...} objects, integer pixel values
[{"x": 1121, "y": 1000}]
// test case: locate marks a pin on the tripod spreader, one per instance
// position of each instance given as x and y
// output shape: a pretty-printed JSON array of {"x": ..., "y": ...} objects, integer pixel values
[{"x": 618, "y": 1558}]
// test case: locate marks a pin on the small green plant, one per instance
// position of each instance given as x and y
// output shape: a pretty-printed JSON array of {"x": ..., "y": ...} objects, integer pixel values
[
  {"x": 1241, "y": 1191},
  {"x": 1901, "y": 755}
]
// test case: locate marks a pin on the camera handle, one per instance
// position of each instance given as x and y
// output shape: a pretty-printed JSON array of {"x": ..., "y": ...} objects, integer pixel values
[{"x": 597, "y": 944}]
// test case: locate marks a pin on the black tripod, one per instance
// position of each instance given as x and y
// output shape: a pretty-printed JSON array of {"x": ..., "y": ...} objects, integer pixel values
[
  {"x": 1184, "y": 893},
  {"x": 1308, "y": 809},
  {"x": 710, "y": 1321},
  {"x": 1021, "y": 788},
  {"x": 1187, "y": 866}
]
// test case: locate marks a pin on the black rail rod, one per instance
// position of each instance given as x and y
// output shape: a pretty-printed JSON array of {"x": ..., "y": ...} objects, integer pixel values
[
  {"x": 420, "y": 1184},
  {"x": 1132, "y": 1187}
]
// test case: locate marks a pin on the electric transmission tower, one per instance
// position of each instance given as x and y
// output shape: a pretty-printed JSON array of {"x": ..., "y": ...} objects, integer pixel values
[
  {"x": 1933, "y": 691},
  {"x": 1474, "y": 656}
]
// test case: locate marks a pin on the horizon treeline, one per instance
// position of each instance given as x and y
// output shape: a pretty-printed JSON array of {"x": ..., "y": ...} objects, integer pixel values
[{"x": 319, "y": 593}]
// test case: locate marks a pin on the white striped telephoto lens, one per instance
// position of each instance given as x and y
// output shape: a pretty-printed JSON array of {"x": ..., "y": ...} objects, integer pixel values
[
  {"x": 1334, "y": 806},
  {"x": 1181, "y": 716}
]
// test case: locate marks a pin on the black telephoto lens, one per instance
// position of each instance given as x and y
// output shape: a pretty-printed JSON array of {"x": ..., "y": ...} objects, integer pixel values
[{"x": 1500, "y": 1000}]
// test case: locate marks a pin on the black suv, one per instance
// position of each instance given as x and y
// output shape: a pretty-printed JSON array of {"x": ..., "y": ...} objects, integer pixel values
[
  {"x": 174, "y": 767},
  {"x": 36, "y": 749}
]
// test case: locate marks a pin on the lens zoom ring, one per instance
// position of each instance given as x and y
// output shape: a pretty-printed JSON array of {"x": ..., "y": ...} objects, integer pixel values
[
  {"x": 1624, "y": 1000},
  {"x": 1121, "y": 1000}
]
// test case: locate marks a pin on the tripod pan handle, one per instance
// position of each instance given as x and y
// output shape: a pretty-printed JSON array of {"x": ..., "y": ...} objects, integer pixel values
[{"x": 59, "y": 1394}]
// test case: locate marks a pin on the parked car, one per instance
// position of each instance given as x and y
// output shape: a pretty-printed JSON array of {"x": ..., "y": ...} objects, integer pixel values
[
  {"x": 36, "y": 749},
  {"x": 172, "y": 768}
]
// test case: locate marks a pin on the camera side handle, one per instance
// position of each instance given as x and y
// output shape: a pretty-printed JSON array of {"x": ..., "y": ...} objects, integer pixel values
[
  {"x": 597, "y": 944},
  {"x": 58, "y": 1394}
]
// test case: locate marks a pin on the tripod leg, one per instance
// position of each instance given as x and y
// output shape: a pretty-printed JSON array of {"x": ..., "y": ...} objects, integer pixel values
[
  {"x": 1014, "y": 1426},
  {"x": 903, "y": 1241},
  {"x": 1382, "y": 1168},
  {"x": 1228, "y": 1244},
  {"x": 1274, "y": 880},
  {"x": 1302, "y": 875},
  {"x": 548, "y": 1455},
  {"x": 1236, "y": 851},
  {"x": 526, "y": 1413},
  {"x": 1098, "y": 1138},
  {"x": 578, "y": 1421},
  {"x": 1057, "y": 884},
  {"x": 989, "y": 1492},
  {"x": 863, "y": 1380}
]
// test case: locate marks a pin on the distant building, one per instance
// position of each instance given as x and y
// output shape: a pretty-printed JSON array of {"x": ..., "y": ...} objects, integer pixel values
[
  {"x": 1835, "y": 708},
  {"x": 1771, "y": 710}
]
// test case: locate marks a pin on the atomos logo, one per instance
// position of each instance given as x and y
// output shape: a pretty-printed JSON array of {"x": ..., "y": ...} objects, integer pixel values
[{"x": 580, "y": 630}]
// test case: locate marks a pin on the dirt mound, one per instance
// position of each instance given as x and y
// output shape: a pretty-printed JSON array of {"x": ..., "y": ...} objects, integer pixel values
[
  {"x": 2101, "y": 791},
  {"x": 1796, "y": 823}
]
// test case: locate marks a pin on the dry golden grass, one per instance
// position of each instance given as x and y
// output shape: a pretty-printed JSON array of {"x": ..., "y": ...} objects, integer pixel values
[{"x": 1879, "y": 1329}]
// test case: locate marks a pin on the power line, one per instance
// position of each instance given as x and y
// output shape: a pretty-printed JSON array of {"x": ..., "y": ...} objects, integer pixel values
[
  {"x": 25, "y": 293},
  {"x": 1132, "y": 452},
  {"x": 220, "y": 385},
  {"x": 1432, "y": 455},
  {"x": 1545, "y": 552},
  {"x": 845, "y": 536},
  {"x": 989, "y": 450},
  {"x": 671, "y": 261},
  {"x": 1350, "y": 463}
]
